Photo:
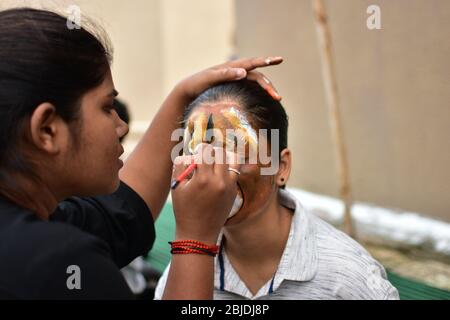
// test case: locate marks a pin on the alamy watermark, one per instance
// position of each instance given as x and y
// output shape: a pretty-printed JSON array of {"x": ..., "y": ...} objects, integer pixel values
[
  {"x": 73, "y": 281},
  {"x": 247, "y": 153},
  {"x": 374, "y": 20},
  {"x": 74, "y": 17}
]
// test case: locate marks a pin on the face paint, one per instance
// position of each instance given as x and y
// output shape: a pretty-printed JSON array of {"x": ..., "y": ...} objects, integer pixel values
[
  {"x": 255, "y": 189},
  {"x": 195, "y": 131},
  {"x": 240, "y": 123},
  {"x": 227, "y": 128}
]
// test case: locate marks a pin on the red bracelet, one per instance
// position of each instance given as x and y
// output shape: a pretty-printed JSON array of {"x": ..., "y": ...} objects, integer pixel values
[{"x": 193, "y": 246}]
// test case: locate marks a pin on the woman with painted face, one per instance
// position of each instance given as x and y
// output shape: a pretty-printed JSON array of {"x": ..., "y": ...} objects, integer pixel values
[
  {"x": 271, "y": 248},
  {"x": 71, "y": 213}
]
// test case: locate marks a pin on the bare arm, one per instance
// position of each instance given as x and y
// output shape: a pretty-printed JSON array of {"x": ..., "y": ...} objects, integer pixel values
[
  {"x": 148, "y": 168},
  {"x": 198, "y": 216}
]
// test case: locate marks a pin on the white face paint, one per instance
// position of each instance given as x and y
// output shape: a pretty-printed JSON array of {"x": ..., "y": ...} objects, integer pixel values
[{"x": 237, "y": 205}]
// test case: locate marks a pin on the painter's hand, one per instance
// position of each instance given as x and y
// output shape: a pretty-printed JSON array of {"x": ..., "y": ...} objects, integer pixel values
[
  {"x": 202, "y": 202},
  {"x": 230, "y": 71}
]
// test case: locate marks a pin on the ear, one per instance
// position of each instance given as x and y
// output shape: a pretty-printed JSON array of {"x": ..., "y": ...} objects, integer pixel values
[
  {"x": 284, "y": 170},
  {"x": 45, "y": 125}
]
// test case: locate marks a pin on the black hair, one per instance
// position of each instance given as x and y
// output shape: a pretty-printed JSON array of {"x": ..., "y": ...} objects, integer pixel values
[
  {"x": 264, "y": 112},
  {"x": 42, "y": 60}
]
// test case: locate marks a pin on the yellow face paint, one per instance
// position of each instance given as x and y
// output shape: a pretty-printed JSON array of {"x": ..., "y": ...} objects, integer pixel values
[
  {"x": 223, "y": 126},
  {"x": 195, "y": 130},
  {"x": 240, "y": 123}
]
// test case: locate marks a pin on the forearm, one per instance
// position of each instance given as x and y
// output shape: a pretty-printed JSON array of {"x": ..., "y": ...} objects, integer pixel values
[{"x": 148, "y": 168}]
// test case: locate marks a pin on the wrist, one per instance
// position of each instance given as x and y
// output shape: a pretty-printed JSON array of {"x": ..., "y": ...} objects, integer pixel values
[
  {"x": 179, "y": 92},
  {"x": 208, "y": 239}
]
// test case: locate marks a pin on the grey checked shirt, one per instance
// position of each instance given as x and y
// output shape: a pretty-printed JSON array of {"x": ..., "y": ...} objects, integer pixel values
[{"x": 318, "y": 262}]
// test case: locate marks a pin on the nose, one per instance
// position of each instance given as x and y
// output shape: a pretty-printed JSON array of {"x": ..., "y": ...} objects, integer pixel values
[{"x": 122, "y": 128}]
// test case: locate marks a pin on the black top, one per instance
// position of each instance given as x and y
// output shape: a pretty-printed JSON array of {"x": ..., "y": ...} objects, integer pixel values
[{"x": 78, "y": 253}]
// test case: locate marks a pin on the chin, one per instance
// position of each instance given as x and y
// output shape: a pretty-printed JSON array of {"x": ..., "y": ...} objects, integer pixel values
[
  {"x": 107, "y": 188},
  {"x": 114, "y": 186}
]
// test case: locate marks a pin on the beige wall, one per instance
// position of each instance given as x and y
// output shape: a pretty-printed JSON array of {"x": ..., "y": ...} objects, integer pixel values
[
  {"x": 393, "y": 83},
  {"x": 394, "y": 87},
  {"x": 156, "y": 42}
]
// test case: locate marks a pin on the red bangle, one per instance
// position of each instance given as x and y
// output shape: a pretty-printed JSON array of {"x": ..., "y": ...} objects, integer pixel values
[{"x": 193, "y": 246}]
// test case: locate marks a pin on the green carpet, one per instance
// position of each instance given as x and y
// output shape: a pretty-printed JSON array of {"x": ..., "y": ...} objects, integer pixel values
[{"x": 159, "y": 257}]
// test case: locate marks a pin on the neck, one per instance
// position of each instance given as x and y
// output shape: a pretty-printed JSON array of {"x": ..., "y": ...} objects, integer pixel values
[
  {"x": 260, "y": 239},
  {"x": 34, "y": 196}
]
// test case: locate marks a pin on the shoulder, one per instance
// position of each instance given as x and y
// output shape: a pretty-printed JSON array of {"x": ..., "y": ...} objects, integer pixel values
[{"x": 348, "y": 268}]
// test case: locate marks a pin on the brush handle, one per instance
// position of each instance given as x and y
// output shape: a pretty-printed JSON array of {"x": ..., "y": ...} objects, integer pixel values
[{"x": 183, "y": 175}]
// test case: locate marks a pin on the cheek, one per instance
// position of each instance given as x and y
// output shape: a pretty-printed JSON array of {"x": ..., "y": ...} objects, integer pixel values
[
  {"x": 98, "y": 155},
  {"x": 255, "y": 187}
]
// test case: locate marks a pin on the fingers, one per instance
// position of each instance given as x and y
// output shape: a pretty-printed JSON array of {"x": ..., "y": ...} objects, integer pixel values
[
  {"x": 234, "y": 167},
  {"x": 204, "y": 166},
  {"x": 214, "y": 163},
  {"x": 179, "y": 166},
  {"x": 221, "y": 162},
  {"x": 264, "y": 83},
  {"x": 253, "y": 63},
  {"x": 230, "y": 71},
  {"x": 204, "y": 158},
  {"x": 213, "y": 76}
]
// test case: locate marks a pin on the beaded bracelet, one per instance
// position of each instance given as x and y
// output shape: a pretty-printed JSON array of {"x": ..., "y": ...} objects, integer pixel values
[{"x": 193, "y": 246}]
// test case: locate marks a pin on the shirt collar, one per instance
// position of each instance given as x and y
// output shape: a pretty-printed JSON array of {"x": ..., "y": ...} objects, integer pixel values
[{"x": 299, "y": 261}]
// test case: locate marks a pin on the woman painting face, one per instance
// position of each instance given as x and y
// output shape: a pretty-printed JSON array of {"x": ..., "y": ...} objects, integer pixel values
[
  {"x": 96, "y": 163},
  {"x": 234, "y": 131}
]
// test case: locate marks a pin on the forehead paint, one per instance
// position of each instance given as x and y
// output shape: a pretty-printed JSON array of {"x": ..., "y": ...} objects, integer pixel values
[
  {"x": 209, "y": 135},
  {"x": 193, "y": 134},
  {"x": 240, "y": 122},
  {"x": 201, "y": 124}
]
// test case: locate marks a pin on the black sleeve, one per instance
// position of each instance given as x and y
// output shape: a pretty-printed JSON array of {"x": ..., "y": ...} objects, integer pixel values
[{"x": 121, "y": 219}]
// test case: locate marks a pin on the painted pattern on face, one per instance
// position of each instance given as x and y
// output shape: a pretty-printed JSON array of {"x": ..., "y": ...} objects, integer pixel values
[
  {"x": 227, "y": 128},
  {"x": 253, "y": 189}
]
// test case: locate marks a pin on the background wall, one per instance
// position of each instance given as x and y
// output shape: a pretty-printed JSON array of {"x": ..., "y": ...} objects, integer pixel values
[
  {"x": 394, "y": 83},
  {"x": 394, "y": 87}
]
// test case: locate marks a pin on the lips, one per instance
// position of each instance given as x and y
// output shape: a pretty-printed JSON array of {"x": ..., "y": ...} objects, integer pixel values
[
  {"x": 121, "y": 151},
  {"x": 120, "y": 162}
]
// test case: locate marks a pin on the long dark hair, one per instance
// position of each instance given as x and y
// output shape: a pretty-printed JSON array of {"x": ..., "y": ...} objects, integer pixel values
[{"x": 42, "y": 60}]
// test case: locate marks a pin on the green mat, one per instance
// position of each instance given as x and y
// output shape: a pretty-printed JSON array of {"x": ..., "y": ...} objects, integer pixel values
[{"x": 159, "y": 257}]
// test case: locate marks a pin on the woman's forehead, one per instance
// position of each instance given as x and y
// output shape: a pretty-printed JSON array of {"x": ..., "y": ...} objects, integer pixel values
[
  {"x": 220, "y": 115},
  {"x": 224, "y": 116},
  {"x": 215, "y": 109}
]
